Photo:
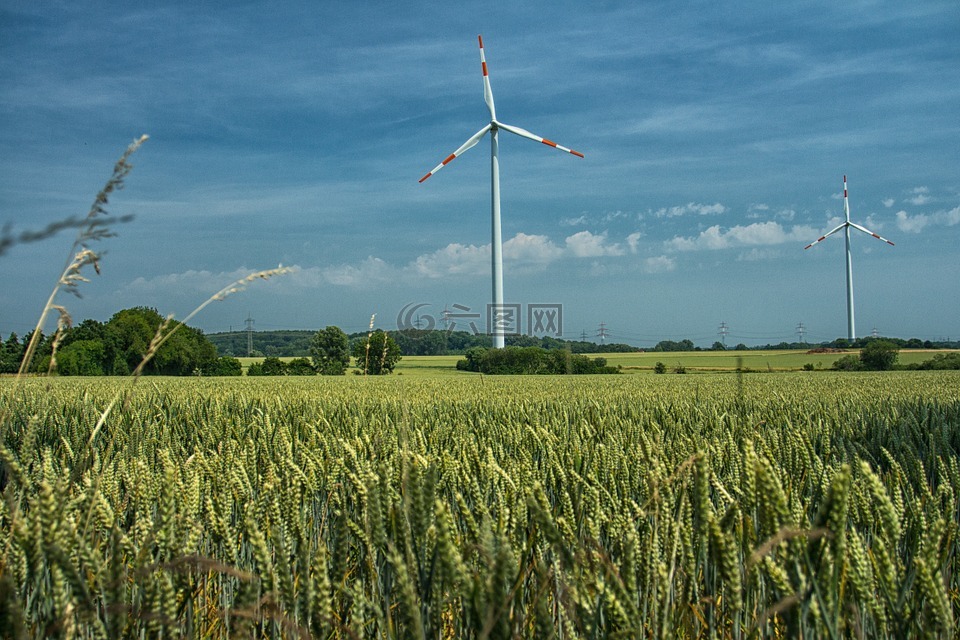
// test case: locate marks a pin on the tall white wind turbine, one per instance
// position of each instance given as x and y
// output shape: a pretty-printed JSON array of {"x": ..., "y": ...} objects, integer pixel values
[
  {"x": 496, "y": 245},
  {"x": 851, "y": 330}
]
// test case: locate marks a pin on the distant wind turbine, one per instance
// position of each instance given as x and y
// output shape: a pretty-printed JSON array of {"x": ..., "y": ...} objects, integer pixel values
[
  {"x": 851, "y": 330},
  {"x": 496, "y": 244}
]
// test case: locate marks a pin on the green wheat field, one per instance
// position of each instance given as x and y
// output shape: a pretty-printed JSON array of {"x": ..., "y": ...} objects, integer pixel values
[{"x": 799, "y": 504}]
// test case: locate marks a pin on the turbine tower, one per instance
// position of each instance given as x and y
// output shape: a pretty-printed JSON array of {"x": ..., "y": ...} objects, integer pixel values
[
  {"x": 851, "y": 330},
  {"x": 496, "y": 244}
]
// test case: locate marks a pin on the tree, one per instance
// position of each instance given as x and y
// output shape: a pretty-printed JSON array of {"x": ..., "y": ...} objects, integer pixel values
[
  {"x": 659, "y": 368},
  {"x": 227, "y": 366},
  {"x": 718, "y": 346},
  {"x": 273, "y": 366},
  {"x": 879, "y": 355},
  {"x": 330, "y": 351},
  {"x": 81, "y": 358},
  {"x": 300, "y": 367},
  {"x": 127, "y": 337},
  {"x": 848, "y": 362},
  {"x": 377, "y": 355},
  {"x": 11, "y": 353}
]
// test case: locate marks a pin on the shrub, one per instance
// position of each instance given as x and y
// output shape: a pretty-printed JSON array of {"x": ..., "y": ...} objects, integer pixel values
[
  {"x": 848, "y": 363},
  {"x": 879, "y": 355}
]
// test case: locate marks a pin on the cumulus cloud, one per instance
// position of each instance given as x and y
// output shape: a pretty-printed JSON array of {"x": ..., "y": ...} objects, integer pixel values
[
  {"x": 888, "y": 202},
  {"x": 633, "y": 240},
  {"x": 691, "y": 208},
  {"x": 917, "y": 223},
  {"x": 756, "y": 234},
  {"x": 525, "y": 249},
  {"x": 659, "y": 264},
  {"x": 921, "y": 195},
  {"x": 369, "y": 272},
  {"x": 588, "y": 245}
]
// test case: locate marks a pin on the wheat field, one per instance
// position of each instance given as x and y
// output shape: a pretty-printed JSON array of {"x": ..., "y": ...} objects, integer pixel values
[{"x": 765, "y": 505}]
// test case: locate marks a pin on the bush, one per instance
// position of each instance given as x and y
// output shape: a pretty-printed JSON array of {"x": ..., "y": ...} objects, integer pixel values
[
  {"x": 227, "y": 366},
  {"x": 659, "y": 368},
  {"x": 531, "y": 361},
  {"x": 879, "y": 355},
  {"x": 808, "y": 366},
  {"x": 848, "y": 363},
  {"x": 300, "y": 367}
]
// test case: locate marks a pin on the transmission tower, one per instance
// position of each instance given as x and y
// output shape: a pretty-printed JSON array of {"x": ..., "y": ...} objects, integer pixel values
[
  {"x": 875, "y": 333},
  {"x": 583, "y": 335},
  {"x": 800, "y": 331},
  {"x": 722, "y": 332},
  {"x": 602, "y": 332},
  {"x": 249, "y": 322}
]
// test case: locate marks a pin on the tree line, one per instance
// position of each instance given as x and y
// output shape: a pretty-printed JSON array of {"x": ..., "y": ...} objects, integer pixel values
[{"x": 116, "y": 347}]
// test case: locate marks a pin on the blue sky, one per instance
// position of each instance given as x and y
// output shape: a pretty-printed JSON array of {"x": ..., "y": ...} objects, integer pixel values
[{"x": 716, "y": 137}]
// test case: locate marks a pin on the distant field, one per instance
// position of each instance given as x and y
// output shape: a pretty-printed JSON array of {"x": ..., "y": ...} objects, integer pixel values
[{"x": 693, "y": 361}]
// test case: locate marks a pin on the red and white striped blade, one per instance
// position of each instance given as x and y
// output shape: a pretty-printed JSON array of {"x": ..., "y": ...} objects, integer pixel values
[
  {"x": 826, "y": 235},
  {"x": 526, "y": 134},
  {"x": 472, "y": 142},
  {"x": 867, "y": 231},
  {"x": 487, "y": 91}
]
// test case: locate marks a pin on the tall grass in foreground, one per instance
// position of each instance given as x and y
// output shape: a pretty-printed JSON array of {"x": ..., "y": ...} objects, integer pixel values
[{"x": 657, "y": 507}]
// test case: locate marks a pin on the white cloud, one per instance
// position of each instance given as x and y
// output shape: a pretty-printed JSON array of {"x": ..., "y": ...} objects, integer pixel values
[
  {"x": 587, "y": 245},
  {"x": 888, "y": 202},
  {"x": 756, "y": 234},
  {"x": 633, "y": 240},
  {"x": 921, "y": 195},
  {"x": 369, "y": 272},
  {"x": 691, "y": 207},
  {"x": 917, "y": 223},
  {"x": 573, "y": 222},
  {"x": 528, "y": 250},
  {"x": 453, "y": 259},
  {"x": 659, "y": 264},
  {"x": 532, "y": 249}
]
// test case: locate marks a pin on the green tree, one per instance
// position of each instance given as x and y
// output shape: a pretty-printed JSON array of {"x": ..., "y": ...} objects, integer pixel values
[
  {"x": 127, "y": 338},
  {"x": 718, "y": 346},
  {"x": 300, "y": 367},
  {"x": 377, "y": 355},
  {"x": 273, "y": 366},
  {"x": 848, "y": 362},
  {"x": 227, "y": 366},
  {"x": 81, "y": 358},
  {"x": 330, "y": 351},
  {"x": 11, "y": 353},
  {"x": 879, "y": 355},
  {"x": 659, "y": 368}
]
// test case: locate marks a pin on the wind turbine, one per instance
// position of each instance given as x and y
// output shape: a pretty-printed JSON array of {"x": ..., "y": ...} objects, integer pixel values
[
  {"x": 496, "y": 242},
  {"x": 851, "y": 331}
]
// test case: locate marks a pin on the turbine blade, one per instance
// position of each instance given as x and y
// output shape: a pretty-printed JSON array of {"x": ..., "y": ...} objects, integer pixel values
[
  {"x": 867, "y": 231},
  {"x": 526, "y": 134},
  {"x": 487, "y": 91},
  {"x": 826, "y": 235},
  {"x": 466, "y": 145}
]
